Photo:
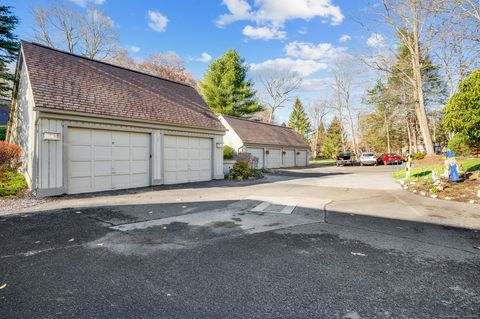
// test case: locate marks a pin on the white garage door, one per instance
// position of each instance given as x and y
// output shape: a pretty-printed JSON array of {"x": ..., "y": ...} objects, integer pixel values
[
  {"x": 103, "y": 160},
  {"x": 288, "y": 158},
  {"x": 301, "y": 158},
  {"x": 274, "y": 158},
  {"x": 257, "y": 152},
  {"x": 187, "y": 159}
]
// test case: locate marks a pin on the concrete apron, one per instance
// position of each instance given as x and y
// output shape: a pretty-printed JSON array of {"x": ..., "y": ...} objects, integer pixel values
[{"x": 251, "y": 219}]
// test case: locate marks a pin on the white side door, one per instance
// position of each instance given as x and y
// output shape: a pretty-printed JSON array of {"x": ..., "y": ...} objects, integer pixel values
[{"x": 187, "y": 159}]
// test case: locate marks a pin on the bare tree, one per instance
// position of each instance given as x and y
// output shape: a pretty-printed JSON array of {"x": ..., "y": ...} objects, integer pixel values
[
  {"x": 98, "y": 36},
  {"x": 165, "y": 65},
  {"x": 279, "y": 87},
  {"x": 92, "y": 35},
  {"x": 343, "y": 70},
  {"x": 414, "y": 22}
]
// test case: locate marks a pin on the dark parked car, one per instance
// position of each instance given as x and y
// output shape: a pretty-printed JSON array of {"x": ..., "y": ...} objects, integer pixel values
[
  {"x": 389, "y": 158},
  {"x": 344, "y": 158}
]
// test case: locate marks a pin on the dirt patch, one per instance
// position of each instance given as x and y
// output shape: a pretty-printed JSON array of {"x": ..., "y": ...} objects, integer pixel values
[{"x": 22, "y": 201}]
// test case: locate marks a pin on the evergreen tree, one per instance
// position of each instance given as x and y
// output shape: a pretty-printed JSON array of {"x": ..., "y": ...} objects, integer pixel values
[
  {"x": 318, "y": 138},
  {"x": 299, "y": 120},
  {"x": 333, "y": 139},
  {"x": 225, "y": 86},
  {"x": 8, "y": 48}
]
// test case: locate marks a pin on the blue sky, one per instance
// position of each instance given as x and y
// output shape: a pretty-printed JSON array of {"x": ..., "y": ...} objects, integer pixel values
[{"x": 300, "y": 35}]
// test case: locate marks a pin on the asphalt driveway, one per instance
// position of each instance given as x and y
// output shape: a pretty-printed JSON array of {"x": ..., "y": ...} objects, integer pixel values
[{"x": 175, "y": 257}]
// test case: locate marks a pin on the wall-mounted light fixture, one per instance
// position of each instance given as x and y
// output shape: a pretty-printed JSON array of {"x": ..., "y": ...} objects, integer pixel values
[{"x": 219, "y": 145}]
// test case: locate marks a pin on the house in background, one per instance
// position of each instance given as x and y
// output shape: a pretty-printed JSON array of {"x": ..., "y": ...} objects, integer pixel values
[
  {"x": 87, "y": 126},
  {"x": 275, "y": 146}
]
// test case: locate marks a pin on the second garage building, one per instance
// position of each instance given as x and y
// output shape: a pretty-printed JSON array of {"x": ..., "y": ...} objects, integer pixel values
[{"x": 275, "y": 146}]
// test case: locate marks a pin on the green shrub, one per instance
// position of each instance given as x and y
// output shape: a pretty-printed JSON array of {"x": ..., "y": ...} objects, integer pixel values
[
  {"x": 459, "y": 144},
  {"x": 3, "y": 133},
  {"x": 240, "y": 170},
  {"x": 418, "y": 156},
  {"x": 11, "y": 183},
  {"x": 228, "y": 152}
]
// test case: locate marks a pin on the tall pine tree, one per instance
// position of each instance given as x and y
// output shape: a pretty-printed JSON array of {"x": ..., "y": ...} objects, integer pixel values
[
  {"x": 299, "y": 120},
  {"x": 333, "y": 139},
  {"x": 225, "y": 86},
  {"x": 8, "y": 49}
]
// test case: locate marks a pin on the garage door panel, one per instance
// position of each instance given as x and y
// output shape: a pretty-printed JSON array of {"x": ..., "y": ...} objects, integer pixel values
[
  {"x": 101, "y": 153},
  {"x": 192, "y": 158},
  {"x": 80, "y": 169},
  {"x": 140, "y": 153},
  {"x": 80, "y": 137},
  {"x": 82, "y": 184},
  {"x": 103, "y": 182},
  {"x": 194, "y": 153},
  {"x": 80, "y": 152},
  {"x": 101, "y": 138},
  {"x": 257, "y": 152},
  {"x": 288, "y": 158},
  {"x": 102, "y": 168},
  {"x": 121, "y": 153},
  {"x": 139, "y": 167},
  {"x": 121, "y": 138},
  {"x": 274, "y": 159},
  {"x": 107, "y": 160}
]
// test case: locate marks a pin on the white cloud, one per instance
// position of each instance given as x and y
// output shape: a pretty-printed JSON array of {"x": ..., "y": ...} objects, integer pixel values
[
  {"x": 157, "y": 21},
  {"x": 277, "y": 12},
  {"x": 134, "y": 49},
  {"x": 302, "y": 30},
  {"x": 375, "y": 40},
  {"x": 344, "y": 38},
  {"x": 83, "y": 3},
  {"x": 204, "y": 58},
  {"x": 239, "y": 10},
  {"x": 311, "y": 51},
  {"x": 316, "y": 84},
  {"x": 264, "y": 33},
  {"x": 302, "y": 67}
]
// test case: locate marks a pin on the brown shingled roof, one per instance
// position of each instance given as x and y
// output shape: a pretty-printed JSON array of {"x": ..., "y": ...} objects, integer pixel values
[
  {"x": 252, "y": 132},
  {"x": 65, "y": 81}
]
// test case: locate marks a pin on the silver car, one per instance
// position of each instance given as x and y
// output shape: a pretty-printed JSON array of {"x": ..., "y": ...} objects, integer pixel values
[{"x": 368, "y": 158}]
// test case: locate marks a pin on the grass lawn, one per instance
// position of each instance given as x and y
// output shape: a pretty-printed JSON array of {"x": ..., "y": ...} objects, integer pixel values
[
  {"x": 323, "y": 161},
  {"x": 422, "y": 171}
]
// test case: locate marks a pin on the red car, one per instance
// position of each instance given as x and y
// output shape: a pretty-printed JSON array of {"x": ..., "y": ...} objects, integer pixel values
[{"x": 390, "y": 158}]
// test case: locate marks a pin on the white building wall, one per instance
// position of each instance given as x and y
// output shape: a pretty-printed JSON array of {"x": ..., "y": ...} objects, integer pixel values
[
  {"x": 231, "y": 138},
  {"x": 22, "y": 128},
  {"x": 50, "y": 157}
]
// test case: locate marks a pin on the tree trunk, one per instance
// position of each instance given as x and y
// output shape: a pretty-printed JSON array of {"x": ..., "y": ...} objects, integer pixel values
[
  {"x": 388, "y": 133},
  {"x": 417, "y": 75},
  {"x": 352, "y": 129}
]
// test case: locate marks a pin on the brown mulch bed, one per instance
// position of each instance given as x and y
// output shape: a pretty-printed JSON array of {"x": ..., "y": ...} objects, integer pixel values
[{"x": 464, "y": 191}]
